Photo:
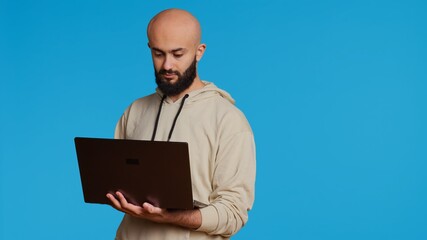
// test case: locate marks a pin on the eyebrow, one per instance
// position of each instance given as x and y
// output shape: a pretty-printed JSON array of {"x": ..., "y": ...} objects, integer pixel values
[{"x": 172, "y": 51}]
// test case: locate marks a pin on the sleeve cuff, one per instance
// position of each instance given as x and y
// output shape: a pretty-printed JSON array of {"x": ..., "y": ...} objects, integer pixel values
[{"x": 209, "y": 219}]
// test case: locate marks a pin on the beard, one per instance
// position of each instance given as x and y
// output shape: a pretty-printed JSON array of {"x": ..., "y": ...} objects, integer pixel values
[{"x": 184, "y": 80}]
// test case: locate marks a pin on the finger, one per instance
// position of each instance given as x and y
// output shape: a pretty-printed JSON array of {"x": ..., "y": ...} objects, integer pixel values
[
  {"x": 117, "y": 204},
  {"x": 122, "y": 198},
  {"x": 128, "y": 207},
  {"x": 151, "y": 209},
  {"x": 114, "y": 202}
]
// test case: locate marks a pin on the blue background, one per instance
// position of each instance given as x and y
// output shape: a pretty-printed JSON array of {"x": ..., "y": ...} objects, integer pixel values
[{"x": 335, "y": 92}]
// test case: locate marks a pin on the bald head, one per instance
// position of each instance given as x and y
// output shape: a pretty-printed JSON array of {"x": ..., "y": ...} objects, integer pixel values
[
  {"x": 174, "y": 25},
  {"x": 174, "y": 40}
]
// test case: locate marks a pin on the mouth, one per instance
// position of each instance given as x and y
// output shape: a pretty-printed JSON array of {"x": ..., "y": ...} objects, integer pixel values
[{"x": 169, "y": 75}]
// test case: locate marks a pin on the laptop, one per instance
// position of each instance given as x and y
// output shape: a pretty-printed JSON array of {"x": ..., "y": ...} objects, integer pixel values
[{"x": 144, "y": 171}]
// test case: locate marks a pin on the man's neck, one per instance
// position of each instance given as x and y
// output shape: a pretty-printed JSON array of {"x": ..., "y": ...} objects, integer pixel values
[{"x": 197, "y": 84}]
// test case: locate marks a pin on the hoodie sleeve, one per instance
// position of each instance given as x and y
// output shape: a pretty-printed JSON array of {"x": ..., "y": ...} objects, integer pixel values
[
  {"x": 233, "y": 181},
  {"x": 120, "y": 131}
]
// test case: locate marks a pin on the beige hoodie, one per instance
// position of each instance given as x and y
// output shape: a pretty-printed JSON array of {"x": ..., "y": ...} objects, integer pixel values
[{"x": 222, "y": 159}]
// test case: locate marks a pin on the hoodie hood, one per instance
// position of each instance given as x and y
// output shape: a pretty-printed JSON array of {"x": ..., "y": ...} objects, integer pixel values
[{"x": 208, "y": 91}]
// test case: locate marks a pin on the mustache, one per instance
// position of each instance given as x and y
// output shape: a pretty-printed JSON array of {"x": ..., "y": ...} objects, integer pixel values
[{"x": 163, "y": 71}]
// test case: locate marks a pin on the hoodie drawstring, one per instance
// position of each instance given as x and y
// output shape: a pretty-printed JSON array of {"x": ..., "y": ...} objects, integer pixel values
[
  {"x": 174, "y": 121},
  {"x": 157, "y": 118}
]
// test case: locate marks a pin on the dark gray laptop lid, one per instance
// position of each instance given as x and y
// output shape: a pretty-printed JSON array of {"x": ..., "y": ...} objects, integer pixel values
[{"x": 144, "y": 171}]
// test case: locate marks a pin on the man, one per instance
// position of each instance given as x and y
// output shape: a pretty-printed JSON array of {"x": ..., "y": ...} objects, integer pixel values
[{"x": 186, "y": 109}]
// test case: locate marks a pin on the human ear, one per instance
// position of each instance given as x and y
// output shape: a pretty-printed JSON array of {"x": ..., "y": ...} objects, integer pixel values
[{"x": 200, "y": 51}]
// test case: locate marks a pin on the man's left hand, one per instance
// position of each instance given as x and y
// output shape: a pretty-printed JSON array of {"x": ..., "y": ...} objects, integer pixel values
[
  {"x": 146, "y": 211},
  {"x": 191, "y": 219}
]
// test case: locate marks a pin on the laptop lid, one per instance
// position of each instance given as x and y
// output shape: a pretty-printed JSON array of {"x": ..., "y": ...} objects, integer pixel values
[{"x": 144, "y": 171}]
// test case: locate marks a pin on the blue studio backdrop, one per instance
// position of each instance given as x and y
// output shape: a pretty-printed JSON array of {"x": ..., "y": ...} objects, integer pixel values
[{"x": 335, "y": 92}]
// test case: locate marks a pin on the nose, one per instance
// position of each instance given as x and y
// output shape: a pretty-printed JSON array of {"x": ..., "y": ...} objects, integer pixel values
[{"x": 167, "y": 63}]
